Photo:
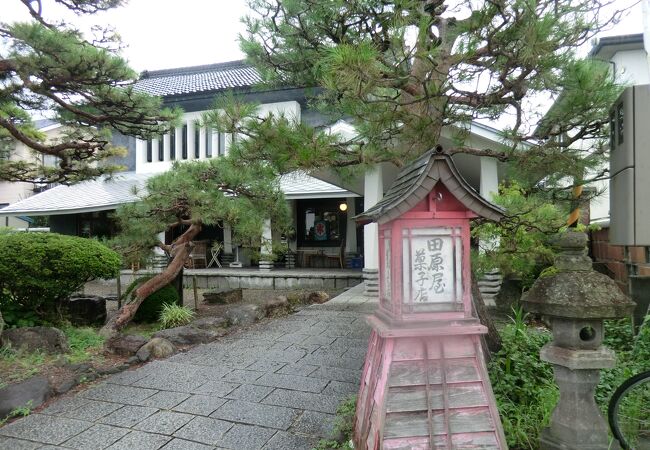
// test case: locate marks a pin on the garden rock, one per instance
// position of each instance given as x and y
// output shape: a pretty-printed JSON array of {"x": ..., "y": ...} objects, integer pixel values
[
  {"x": 65, "y": 386},
  {"x": 156, "y": 347},
  {"x": 245, "y": 314},
  {"x": 209, "y": 323},
  {"x": 48, "y": 339},
  {"x": 85, "y": 309},
  {"x": 187, "y": 335},
  {"x": 318, "y": 297},
  {"x": 277, "y": 306},
  {"x": 143, "y": 354},
  {"x": 223, "y": 296},
  {"x": 33, "y": 393},
  {"x": 125, "y": 345}
]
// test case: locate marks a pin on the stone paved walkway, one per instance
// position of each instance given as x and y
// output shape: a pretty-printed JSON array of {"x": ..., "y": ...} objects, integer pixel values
[{"x": 274, "y": 386}]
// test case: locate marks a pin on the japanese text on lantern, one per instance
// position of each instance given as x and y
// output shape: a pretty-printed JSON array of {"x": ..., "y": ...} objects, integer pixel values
[{"x": 429, "y": 270}]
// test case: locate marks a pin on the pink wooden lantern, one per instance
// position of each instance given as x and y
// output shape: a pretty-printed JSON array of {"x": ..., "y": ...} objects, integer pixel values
[{"x": 425, "y": 383}]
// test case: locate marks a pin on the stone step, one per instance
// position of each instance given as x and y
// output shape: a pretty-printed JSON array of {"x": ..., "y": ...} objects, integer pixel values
[
  {"x": 489, "y": 302},
  {"x": 492, "y": 277},
  {"x": 489, "y": 285},
  {"x": 483, "y": 283}
]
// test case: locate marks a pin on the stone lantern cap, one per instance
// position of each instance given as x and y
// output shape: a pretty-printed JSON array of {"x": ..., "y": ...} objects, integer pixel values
[{"x": 575, "y": 290}]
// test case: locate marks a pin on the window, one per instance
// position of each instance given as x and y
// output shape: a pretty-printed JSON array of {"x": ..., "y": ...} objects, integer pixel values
[
  {"x": 208, "y": 142},
  {"x": 321, "y": 223},
  {"x": 96, "y": 224},
  {"x": 161, "y": 148},
  {"x": 620, "y": 116},
  {"x": 184, "y": 142},
  {"x": 172, "y": 144},
  {"x": 149, "y": 150},
  {"x": 612, "y": 131},
  {"x": 197, "y": 140}
]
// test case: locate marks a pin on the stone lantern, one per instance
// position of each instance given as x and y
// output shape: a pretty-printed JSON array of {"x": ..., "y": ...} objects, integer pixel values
[
  {"x": 576, "y": 299},
  {"x": 425, "y": 383}
]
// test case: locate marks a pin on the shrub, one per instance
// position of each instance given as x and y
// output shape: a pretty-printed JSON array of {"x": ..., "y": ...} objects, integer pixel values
[
  {"x": 149, "y": 310},
  {"x": 37, "y": 270},
  {"x": 523, "y": 384},
  {"x": 175, "y": 315}
]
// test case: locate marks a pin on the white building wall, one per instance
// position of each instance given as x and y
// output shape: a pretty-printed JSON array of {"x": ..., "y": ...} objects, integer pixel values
[
  {"x": 13, "y": 192},
  {"x": 632, "y": 67},
  {"x": 291, "y": 109}
]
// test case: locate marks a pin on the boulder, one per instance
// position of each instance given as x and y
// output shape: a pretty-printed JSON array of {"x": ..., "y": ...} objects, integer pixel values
[
  {"x": 318, "y": 297},
  {"x": 143, "y": 354},
  {"x": 85, "y": 309},
  {"x": 157, "y": 347},
  {"x": 125, "y": 344},
  {"x": 48, "y": 339},
  {"x": 223, "y": 296},
  {"x": 245, "y": 314},
  {"x": 277, "y": 306},
  {"x": 187, "y": 335},
  {"x": 209, "y": 323},
  {"x": 31, "y": 393},
  {"x": 65, "y": 386}
]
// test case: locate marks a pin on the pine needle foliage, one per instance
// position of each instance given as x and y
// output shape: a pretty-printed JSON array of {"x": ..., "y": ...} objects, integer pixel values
[
  {"x": 210, "y": 192},
  {"x": 83, "y": 85}
]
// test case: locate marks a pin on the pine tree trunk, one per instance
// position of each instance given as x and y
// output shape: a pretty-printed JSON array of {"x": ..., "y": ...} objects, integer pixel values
[
  {"x": 492, "y": 338},
  {"x": 180, "y": 252}
]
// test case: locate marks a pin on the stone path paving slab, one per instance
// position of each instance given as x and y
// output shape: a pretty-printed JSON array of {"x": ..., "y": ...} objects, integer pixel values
[{"x": 274, "y": 386}]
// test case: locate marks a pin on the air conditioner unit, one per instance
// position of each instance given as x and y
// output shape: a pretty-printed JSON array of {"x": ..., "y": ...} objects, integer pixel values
[{"x": 629, "y": 187}]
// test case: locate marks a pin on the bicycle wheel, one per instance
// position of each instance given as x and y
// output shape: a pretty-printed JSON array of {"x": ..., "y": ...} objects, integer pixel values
[{"x": 629, "y": 413}]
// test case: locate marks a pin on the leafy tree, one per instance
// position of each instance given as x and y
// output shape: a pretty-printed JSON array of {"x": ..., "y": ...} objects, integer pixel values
[
  {"x": 401, "y": 71},
  {"x": 83, "y": 85},
  {"x": 524, "y": 249},
  {"x": 187, "y": 198}
]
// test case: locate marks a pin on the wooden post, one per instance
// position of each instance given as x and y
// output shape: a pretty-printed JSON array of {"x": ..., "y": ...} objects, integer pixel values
[
  {"x": 119, "y": 290},
  {"x": 196, "y": 295}
]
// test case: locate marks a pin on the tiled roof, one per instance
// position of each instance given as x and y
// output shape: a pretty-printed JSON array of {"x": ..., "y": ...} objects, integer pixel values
[
  {"x": 415, "y": 182},
  {"x": 88, "y": 196},
  {"x": 100, "y": 195},
  {"x": 297, "y": 185},
  {"x": 208, "y": 78}
]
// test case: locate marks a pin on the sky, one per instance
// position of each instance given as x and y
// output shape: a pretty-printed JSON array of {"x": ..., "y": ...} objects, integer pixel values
[{"x": 162, "y": 34}]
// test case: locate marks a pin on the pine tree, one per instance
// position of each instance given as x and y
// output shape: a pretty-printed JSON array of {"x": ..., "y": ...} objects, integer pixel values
[
  {"x": 185, "y": 199},
  {"x": 85, "y": 86},
  {"x": 400, "y": 71}
]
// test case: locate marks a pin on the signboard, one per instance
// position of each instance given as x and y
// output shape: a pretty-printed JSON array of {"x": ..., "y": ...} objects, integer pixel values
[{"x": 432, "y": 263}]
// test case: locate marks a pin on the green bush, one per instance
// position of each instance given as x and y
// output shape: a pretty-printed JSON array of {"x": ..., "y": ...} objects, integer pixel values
[
  {"x": 150, "y": 309},
  {"x": 175, "y": 315},
  {"x": 37, "y": 270},
  {"x": 523, "y": 384}
]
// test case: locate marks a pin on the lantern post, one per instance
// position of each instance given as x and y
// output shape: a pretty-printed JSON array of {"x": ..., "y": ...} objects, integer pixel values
[{"x": 425, "y": 383}]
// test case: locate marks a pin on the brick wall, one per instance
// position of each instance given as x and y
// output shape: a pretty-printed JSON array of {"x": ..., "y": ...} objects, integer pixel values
[{"x": 618, "y": 261}]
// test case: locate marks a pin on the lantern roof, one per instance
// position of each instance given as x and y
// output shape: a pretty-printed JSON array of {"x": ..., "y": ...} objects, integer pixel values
[{"x": 418, "y": 179}]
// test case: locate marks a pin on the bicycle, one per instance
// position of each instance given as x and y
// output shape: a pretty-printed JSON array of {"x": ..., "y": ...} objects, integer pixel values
[{"x": 629, "y": 413}]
